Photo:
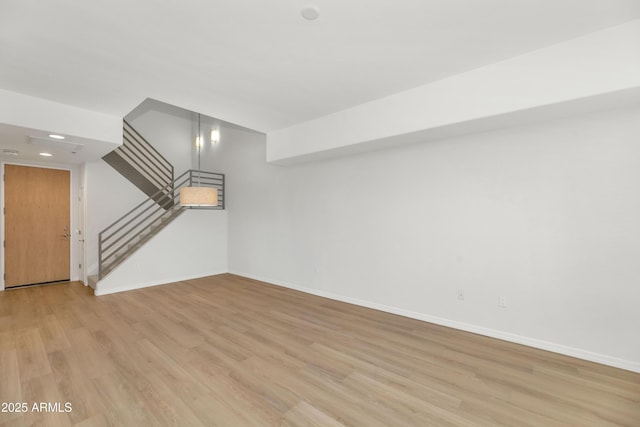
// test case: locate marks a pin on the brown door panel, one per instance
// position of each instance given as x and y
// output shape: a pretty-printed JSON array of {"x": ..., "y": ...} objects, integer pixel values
[{"x": 37, "y": 225}]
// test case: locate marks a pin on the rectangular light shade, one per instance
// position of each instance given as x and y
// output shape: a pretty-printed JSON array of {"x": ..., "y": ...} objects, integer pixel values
[{"x": 198, "y": 196}]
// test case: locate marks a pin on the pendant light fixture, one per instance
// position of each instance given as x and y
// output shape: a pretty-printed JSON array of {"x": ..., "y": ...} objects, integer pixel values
[{"x": 198, "y": 196}]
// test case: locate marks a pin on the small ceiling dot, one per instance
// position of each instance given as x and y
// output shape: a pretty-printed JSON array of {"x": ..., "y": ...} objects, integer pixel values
[{"x": 310, "y": 13}]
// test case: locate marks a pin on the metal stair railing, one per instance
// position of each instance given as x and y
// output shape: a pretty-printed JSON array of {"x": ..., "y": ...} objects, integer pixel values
[
  {"x": 127, "y": 234},
  {"x": 143, "y": 156}
]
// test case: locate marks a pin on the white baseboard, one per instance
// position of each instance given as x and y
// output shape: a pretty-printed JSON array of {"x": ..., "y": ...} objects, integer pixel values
[
  {"x": 100, "y": 292},
  {"x": 493, "y": 333}
]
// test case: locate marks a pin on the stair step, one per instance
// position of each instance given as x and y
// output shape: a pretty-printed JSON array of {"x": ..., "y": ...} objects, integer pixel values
[{"x": 93, "y": 281}]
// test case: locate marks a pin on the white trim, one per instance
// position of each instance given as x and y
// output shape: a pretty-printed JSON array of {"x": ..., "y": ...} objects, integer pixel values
[
  {"x": 98, "y": 292},
  {"x": 81, "y": 230},
  {"x": 493, "y": 333}
]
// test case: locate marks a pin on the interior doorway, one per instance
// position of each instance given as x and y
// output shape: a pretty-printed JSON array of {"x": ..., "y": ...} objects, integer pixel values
[{"x": 37, "y": 225}]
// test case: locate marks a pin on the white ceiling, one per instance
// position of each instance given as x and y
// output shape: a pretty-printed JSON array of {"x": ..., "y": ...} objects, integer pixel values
[
  {"x": 259, "y": 63},
  {"x": 31, "y": 142}
]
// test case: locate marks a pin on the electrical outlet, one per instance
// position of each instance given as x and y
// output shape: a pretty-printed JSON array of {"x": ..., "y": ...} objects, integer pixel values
[
  {"x": 460, "y": 294},
  {"x": 502, "y": 302}
]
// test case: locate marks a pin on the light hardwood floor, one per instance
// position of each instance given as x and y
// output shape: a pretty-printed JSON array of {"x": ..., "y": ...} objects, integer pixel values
[{"x": 230, "y": 351}]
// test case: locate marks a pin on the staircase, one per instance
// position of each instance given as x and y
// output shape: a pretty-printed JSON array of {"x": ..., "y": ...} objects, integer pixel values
[
  {"x": 130, "y": 232},
  {"x": 145, "y": 167}
]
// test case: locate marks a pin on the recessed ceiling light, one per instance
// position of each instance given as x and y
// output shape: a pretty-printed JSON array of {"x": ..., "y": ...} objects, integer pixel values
[
  {"x": 310, "y": 12},
  {"x": 46, "y": 154},
  {"x": 54, "y": 136}
]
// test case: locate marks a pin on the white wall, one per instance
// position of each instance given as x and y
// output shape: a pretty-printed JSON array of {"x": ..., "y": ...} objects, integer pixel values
[
  {"x": 109, "y": 196},
  {"x": 545, "y": 215},
  {"x": 30, "y": 112},
  {"x": 193, "y": 245},
  {"x": 606, "y": 62}
]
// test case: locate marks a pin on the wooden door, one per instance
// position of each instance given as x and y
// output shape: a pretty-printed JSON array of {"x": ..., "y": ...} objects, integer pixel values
[{"x": 37, "y": 226}]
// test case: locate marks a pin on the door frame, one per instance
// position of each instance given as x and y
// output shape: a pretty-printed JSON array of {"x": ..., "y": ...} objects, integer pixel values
[
  {"x": 73, "y": 214},
  {"x": 81, "y": 249}
]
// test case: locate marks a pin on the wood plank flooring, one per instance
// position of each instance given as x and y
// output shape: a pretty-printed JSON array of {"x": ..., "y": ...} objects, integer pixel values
[{"x": 230, "y": 351}]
